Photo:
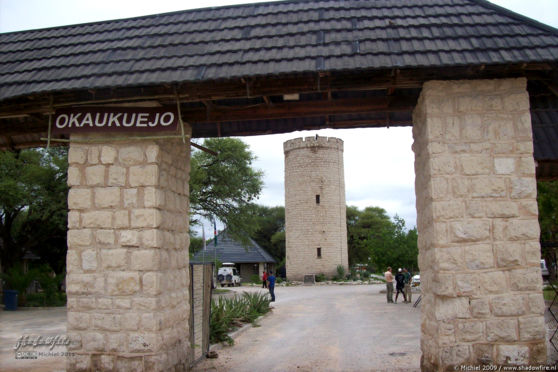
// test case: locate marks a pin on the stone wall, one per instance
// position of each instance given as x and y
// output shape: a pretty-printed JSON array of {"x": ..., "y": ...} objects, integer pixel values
[
  {"x": 127, "y": 263},
  {"x": 477, "y": 224},
  {"x": 314, "y": 166}
]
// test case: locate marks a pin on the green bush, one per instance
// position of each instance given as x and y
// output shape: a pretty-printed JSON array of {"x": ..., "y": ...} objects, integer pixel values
[
  {"x": 49, "y": 282},
  {"x": 365, "y": 275},
  {"x": 255, "y": 278},
  {"x": 228, "y": 314},
  {"x": 321, "y": 277}
]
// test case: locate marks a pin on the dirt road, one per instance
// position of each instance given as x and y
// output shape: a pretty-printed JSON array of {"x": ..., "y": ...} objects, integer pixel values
[{"x": 327, "y": 328}]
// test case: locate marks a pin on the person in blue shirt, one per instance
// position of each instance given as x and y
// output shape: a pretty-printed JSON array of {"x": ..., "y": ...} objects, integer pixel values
[{"x": 271, "y": 285}]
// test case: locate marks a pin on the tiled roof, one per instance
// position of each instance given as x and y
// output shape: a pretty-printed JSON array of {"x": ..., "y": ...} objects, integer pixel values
[
  {"x": 269, "y": 39},
  {"x": 231, "y": 250}
]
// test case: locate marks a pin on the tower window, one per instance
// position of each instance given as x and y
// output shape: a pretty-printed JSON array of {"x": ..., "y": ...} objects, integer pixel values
[
  {"x": 319, "y": 252},
  {"x": 318, "y": 199}
]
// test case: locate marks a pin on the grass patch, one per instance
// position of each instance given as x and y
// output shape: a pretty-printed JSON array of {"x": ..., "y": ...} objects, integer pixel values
[
  {"x": 227, "y": 314},
  {"x": 221, "y": 291},
  {"x": 548, "y": 294}
]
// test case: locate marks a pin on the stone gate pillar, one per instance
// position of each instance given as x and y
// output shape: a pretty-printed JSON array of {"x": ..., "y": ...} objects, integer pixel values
[
  {"x": 477, "y": 225},
  {"x": 127, "y": 263}
]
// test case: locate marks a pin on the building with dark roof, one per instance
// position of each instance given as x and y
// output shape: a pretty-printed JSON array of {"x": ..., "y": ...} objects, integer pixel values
[{"x": 250, "y": 258}]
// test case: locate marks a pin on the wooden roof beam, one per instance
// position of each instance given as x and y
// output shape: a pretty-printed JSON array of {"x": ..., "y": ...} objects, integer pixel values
[{"x": 302, "y": 109}]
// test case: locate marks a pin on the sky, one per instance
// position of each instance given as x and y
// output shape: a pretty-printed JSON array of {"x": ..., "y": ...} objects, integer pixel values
[{"x": 379, "y": 162}]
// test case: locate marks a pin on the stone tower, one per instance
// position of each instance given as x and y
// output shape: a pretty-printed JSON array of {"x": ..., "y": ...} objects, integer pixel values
[{"x": 315, "y": 210}]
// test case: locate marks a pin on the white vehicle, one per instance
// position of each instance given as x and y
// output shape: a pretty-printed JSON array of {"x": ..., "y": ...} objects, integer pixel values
[
  {"x": 228, "y": 275},
  {"x": 544, "y": 269},
  {"x": 415, "y": 281}
]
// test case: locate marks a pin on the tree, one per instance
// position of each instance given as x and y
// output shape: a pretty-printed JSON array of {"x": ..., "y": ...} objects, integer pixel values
[
  {"x": 225, "y": 186},
  {"x": 270, "y": 230},
  {"x": 375, "y": 239},
  {"x": 547, "y": 198},
  {"x": 33, "y": 205}
]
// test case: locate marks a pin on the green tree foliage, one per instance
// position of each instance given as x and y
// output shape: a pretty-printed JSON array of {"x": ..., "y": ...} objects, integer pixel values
[
  {"x": 270, "y": 230},
  {"x": 225, "y": 186},
  {"x": 33, "y": 206},
  {"x": 548, "y": 210},
  {"x": 375, "y": 239},
  {"x": 547, "y": 198}
]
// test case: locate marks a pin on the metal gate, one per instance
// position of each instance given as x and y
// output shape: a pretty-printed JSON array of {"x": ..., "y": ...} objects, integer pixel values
[{"x": 201, "y": 276}]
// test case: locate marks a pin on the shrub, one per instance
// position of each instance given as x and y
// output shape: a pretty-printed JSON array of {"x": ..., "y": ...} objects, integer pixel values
[
  {"x": 230, "y": 313},
  {"x": 320, "y": 277},
  {"x": 340, "y": 271},
  {"x": 255, "y": 278}
]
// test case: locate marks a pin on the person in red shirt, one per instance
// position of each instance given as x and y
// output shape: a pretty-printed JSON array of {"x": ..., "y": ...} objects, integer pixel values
[{"x": 264, "y": 279}]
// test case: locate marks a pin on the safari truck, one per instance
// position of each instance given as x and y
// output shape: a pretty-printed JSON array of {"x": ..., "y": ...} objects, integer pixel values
[{"x": 228, "y": 275}]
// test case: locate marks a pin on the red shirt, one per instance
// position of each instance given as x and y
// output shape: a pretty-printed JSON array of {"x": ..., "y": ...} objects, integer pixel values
[{"x": 264, "y": 276}]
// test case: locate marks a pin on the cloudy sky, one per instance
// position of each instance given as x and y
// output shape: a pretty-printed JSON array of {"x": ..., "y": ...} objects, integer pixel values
[{"x": 379, "y": 168}]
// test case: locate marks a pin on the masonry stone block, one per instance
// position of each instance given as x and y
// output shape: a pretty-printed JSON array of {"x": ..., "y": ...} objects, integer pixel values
[
  {"x": 108, "y": 322},
  {"x": 131, "y": 155},
  {"x": 480, "y": 307},
  {"x": 483, "y": 353},
  {"x": 153, "y": 238},
  {"x": 89, "y": 259},
  {"x": 523, "y": 188},
  {"x": 509, "y": 254},
  {"x": 512, "y": 354},
  {"x": 469, "y": 231},
  {"x": 146, "y": 218},
  {"x": 494, "y": 282},
  {"x": 479, "y": 256},
  {"x": 151, "y": 283},
  {"x": 527, "y": 229},
  {"x": 504, "y": 165},
  {"x": 451, "y": 308},
  {"x": 507, "y": 305},
  {"x": 130, "y": 197},
  {"x": 104, "y": 237},
  {"x": 74, "y": 176},
  {"x": 144, "y": 175},
  {"x": 116, "y": 176},
  {"x": 488, "y": 187},
  {"x": 532, "y": 328},
  {"x": 121, "y": 219},
  {"x": 114, "y": 258},
  {"x": 470, "y": 331},
  {"x": 77, "y": 155},
  {"x": 131, "y": 321},
  {"x": 97, "y": 219},
  {"x": 122, "y": 283},
  {"x": 129, "y": 238},
  {"x": 79, "y": 198},
  {"x": 95, "y": 175},
  {"x": 80, "y": 238},
  {"x": 528, "y": 279},
  {"x": 145, "y": 259},
  {"x": 501, "y": 330},
  {"x": 476, "y": 165},
  {"x": 107, "y": 197},
  {"x": 108, "y": 154},
  {"x": 466, "y": 284}
]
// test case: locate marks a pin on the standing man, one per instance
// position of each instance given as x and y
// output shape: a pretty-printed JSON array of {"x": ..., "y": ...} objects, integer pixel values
[
  {"x": 389, "y": 285},
  {"x": 271, "y": 285},
  {"x": 407, "y": 274},
  {"x": 400, "y": 284},
  {"x": 264, "y": 279}
]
